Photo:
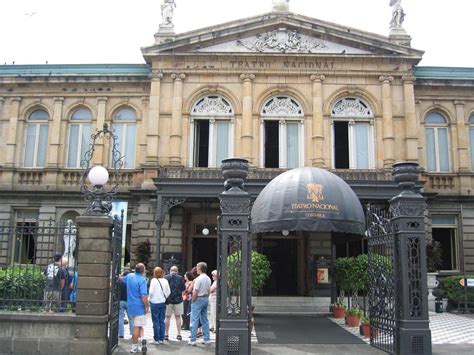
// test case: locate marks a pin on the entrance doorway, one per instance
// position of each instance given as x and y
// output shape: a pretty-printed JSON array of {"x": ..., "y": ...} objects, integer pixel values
[
  {"x": 205, "y": 249},
  {"x": 283, "y": 257}
]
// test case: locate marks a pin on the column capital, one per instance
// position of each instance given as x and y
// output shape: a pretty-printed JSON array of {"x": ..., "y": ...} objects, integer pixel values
[
  {"x": 247, "y": 77},
  {"x": 145, "y": 100},
  {"x": 102, "y": 99},
  {"x": 16, "y": 99},
  {"x": 385, "y": 79},
  {"x": 459, "y": 103},
  {"x": 317, "y": 78},
  {"x": 408, "y": 79},
  {"x": 58, "y": 99},
  {"x": 178, "y": 76},
  {"x": 2, "y": 100},
  {"x": 156, "y": 75}
]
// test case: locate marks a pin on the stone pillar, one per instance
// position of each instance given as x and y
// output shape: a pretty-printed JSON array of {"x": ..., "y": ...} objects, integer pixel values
[
  {"x": 411, "y": 124},
  {"x": 318, "y": 125},
  {"x": 101, "y": 150},
  {"x": 234, "y": 295},
  {"x": 54, "y": 135},
  {"x": 154, "y": 119},
  {"x": 176, "y": 135},
  {"x": 463, "y": 138},
  {"x": 2, "y": 100},
  {"x": 388, "y": 137},
  {"x": 408, "y": 208},
  {"x": 247, "y": 116},
  {"x": 13, "y": 132},
  {"x": 93, "y": 287}
]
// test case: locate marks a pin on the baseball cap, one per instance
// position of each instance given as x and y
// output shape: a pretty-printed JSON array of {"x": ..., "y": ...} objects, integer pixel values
[{"x": 57, "y": 256}]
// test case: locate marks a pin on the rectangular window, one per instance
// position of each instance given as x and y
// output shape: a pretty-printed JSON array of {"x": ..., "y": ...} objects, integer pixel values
[
  {"x": 443, "y": 149},
  {"x": 362, "y": 153},
  {"x": 341, "y": 145},
  {"x": 222, "y": 142},
  {"x": 272, "y": 144},
  {"x": 30, "y": 146},
  {"x": 471, "y": 135},
  {"x": 125, "y": 133},
  {"x": 201, "y": 143},
  {"x": 444, "y": 231},
  {"x": 73, "y": 146},
  {"x": 26, "y": 232},
  {"x": 430, "y": 149},
  {"x": 292, "y": 145}
]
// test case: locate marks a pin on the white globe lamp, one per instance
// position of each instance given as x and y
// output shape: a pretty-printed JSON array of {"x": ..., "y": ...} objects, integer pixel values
[
  {"x": 98, "y": 176},
  {"x": 205, "y": 231}
]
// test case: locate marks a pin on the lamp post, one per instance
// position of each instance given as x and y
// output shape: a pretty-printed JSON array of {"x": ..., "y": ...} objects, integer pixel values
[{"x": 94, "y": 179}]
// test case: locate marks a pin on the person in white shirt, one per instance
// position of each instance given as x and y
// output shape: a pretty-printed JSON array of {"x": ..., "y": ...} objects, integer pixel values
[
  {"x": 200, "y": 302},
  {"x": 159, "y": 291},
  {"x": 213, "y": 302}
]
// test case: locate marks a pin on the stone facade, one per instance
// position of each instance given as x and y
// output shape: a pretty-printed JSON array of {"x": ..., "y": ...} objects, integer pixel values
[{"x": 247, "y": 63}]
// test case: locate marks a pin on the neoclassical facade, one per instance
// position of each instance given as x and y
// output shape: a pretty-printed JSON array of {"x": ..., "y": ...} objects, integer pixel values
[{"x": 280, "y": 90}]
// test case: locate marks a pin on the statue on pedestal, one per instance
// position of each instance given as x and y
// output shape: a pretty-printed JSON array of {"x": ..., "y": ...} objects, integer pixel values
[
  {"x": 69, "y": 238},
  {"x": 167, "y": 9},
  {"x": 398, "y": 15},
  {"x": 281, "y": 5}
]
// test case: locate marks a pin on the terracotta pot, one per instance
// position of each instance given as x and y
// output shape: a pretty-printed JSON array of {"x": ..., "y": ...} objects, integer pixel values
[
  {"x": 338, "y": 312},
  {"x": 353, "y": 321},
  {"x": 366, "y": 330}
]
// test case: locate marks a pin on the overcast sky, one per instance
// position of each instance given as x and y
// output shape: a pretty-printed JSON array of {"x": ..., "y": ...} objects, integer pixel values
[{"x": 112, "y": 31}]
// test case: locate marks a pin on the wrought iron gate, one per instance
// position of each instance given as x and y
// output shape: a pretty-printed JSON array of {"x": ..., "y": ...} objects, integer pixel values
[
  {"x": 114, "y": 303},
  {"x": 383, "y": 271}
]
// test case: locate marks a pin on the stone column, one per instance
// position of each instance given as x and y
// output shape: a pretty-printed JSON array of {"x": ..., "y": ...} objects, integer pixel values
[
  {"x": 388, "y": 137},
  {"x": 176, "y": 135},
  {"x": 14, "y": 132},
  {"x": 54, "y": 135},
  {"x": 411, "y": 125},
  {"x": 318, "y": 125},
  {"x": 234, "y": 299},
  {"x": 247, "y": 116},
  {"x": 93, "y": 287},
  {"x": 2, "y": 100},
  {"x": 101, "y": 150},
  {"x": 154, "y": 119},
  {"x": 408, "y": 208},
  {"x": 463, "y": 138}
]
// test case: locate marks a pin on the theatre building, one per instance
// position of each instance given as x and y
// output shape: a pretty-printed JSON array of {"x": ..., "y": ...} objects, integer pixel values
[{"x": 281, "y": 90}]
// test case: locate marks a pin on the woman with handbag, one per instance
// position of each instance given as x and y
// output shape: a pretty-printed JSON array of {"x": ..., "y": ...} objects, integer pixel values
[{"x": 159, "y": 291}]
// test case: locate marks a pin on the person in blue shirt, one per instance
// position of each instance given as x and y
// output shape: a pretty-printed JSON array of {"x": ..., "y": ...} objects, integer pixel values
[{"x": 138, "y": 306}]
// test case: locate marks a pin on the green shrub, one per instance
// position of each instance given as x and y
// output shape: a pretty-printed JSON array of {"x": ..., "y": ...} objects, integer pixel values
[
  {"x": 351, "y": 274},
  {"x": 261, "y": 269},
  {"x": 451, "y": 289},
  {"x": 25, "y": 282},
  {"x": 354, "y": 312}
]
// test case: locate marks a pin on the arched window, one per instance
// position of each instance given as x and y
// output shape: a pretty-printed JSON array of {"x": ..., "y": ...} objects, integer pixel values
[
  {"x": 125, "y": 127},
  {"x": 352, "y": 134},
  {"x": 212, "y": 128},
  {"x": 80, "y": 126},
  {"x": 281, "y": 133},
  {"x": 471, "y": 137},
  {"x": 36, "y": 140},
  {"x": 437, "y": 143}
]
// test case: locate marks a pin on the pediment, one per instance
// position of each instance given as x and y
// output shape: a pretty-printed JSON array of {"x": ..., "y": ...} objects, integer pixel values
[{"x": 279, "y": 33}]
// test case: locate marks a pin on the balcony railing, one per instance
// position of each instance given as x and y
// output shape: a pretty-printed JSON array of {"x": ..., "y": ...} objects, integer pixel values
[{"x": 440, "y": 182}]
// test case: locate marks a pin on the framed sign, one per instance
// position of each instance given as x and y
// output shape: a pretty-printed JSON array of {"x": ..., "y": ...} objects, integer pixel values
[{"x": 322, "y": 266}]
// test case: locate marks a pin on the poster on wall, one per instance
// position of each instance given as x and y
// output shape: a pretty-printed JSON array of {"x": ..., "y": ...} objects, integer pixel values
[
  {"x": 322, "y": 275},
  {"x": 117, "y": 208},
  {"x": 322, "y": 264}
]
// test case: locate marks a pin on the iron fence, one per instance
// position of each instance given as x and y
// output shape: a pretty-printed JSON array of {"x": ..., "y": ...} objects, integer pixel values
[{"x": 31, "y": 280}]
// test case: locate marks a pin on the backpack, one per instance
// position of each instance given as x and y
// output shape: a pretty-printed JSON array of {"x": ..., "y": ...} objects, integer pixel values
[{"x": 52, "y": 272}]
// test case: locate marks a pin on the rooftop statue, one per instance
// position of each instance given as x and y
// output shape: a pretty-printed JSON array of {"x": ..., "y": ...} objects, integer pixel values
[
  {"x": 398, "y": 15},
  {"x": 167, "y": 9},
  {"x": 281, "y": 5}
]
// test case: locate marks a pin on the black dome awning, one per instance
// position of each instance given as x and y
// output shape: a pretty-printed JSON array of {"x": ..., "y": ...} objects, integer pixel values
[{"x": 308, "y": 199}]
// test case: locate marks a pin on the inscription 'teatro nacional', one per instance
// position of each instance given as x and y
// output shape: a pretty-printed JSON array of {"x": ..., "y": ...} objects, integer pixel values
[
  {"x": 261, "y": 64},
  {"x": 316, "y": 206}
]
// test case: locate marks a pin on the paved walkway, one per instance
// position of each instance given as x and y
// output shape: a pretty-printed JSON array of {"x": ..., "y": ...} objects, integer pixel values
[{"x": 451, "y": 333}]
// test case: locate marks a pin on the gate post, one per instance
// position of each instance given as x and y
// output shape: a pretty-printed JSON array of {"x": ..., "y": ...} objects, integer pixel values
[
  {"x": 412, "y": 322},
  {"x": 234, "y": 284},
  {"x": 93, "y": 286}
]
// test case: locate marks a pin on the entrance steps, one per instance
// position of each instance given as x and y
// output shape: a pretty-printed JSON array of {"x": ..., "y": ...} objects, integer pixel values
[{"x": 291, "y": 305}]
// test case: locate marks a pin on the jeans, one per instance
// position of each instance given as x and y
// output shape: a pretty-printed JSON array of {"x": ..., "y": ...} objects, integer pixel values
[
  {"x": 123, "y": 308},
  {"x": 199, "y": 313},
  {"x": 158, "y": 311}
]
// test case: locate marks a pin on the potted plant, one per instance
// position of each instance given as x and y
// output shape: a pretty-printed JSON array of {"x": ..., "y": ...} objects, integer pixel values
[
  {"x": 353, "y": 317},
  {"x": 365, "y": 324},
  {"x": 261, "y": 270},
  {"x": 338, "y": 309}
]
